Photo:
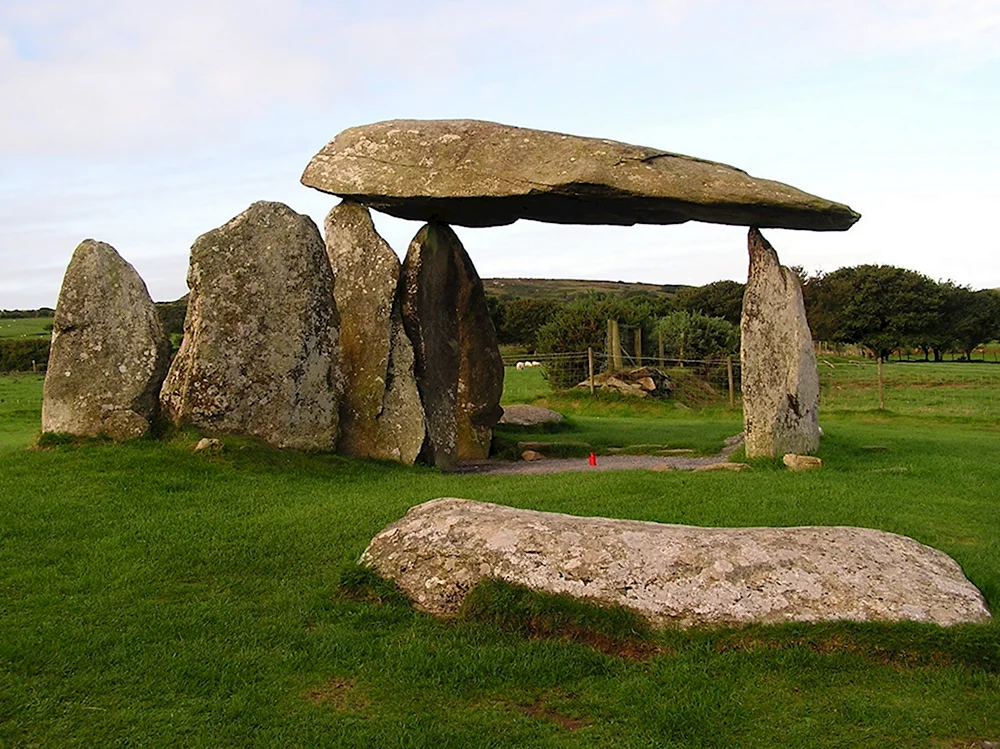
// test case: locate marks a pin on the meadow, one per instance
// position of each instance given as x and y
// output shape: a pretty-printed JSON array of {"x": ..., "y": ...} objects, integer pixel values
[
  {"x": 26, "y": 327},
  {"x": 151, "y": 596}
]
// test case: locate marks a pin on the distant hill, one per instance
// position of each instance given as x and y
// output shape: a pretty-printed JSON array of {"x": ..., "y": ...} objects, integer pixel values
[{"x": 562, "y": 290}]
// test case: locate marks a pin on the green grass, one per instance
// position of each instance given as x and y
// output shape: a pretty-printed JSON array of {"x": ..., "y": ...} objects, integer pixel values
[
  {"x": 967, "y": 391},
  {"x": 150, "y": 596},
  {"x": 26, "y": 327}
]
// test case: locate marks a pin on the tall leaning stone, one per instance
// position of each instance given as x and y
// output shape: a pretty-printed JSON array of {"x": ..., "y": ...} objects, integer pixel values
[
  {"x": 109, "y": 351},
  {"x": 380, "y": 415},
  {"x": 259, "y": 355},
  {"x": 458, "y": 364},
  {"x": 780, "y": 378}
]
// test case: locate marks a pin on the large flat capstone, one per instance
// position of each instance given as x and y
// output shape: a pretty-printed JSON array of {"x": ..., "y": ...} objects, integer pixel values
[
  {"x": 673, "y": 574},
  {"x": 474, "y": 173}
]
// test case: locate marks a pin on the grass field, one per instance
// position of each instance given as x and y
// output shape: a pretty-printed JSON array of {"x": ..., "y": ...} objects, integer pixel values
[
  {"x": 150, "y": 596},
  {"x": 26, "y": 327}
]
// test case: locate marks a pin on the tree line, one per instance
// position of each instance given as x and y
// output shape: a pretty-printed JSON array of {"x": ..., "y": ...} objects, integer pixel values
[{"x": 882, "y": 308}]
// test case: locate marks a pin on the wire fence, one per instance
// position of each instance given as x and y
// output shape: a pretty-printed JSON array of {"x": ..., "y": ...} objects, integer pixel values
[{"x": 568, "y": 370}]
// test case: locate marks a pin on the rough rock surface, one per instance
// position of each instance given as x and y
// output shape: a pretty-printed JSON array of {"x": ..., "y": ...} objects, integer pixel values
[
  {"x": 109, "y": 351},
  {"x": 801, "y": 462},
  {"x": 458, "y": 365},
  {"x": 380, "y": 414},
  {"x": 779, "y": 373},
  {"x": 673, "y": 574},
  {"x": 259, "y": 355},
  {"x": 474, "y": 173},
  {"x": 526, "y": 416}
]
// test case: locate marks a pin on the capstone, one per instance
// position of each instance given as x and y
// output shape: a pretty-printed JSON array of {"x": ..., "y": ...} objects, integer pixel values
[{"x": 474, "y": 173}]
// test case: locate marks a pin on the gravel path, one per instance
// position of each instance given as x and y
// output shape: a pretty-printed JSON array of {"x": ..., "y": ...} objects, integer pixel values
[{"x": 604, "y": 463}]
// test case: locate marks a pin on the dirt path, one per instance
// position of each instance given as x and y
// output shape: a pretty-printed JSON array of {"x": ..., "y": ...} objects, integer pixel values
[{"x": 604, "y": 463}]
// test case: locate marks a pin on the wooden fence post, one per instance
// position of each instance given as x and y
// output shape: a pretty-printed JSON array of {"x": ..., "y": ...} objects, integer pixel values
[
  {"x": 638, "y": 347},
  {"x": 608, "y": 346},
  {"x": 616, "y": 346},
  {"x": 659, "y": 335},
  {"x": 732, "y": 393},
  {"x": 881, "y": 387},
  {"x": 590, "y": 368}
]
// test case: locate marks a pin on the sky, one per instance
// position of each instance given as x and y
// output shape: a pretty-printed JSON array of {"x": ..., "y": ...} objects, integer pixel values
[{"x": 145, "y": 124}]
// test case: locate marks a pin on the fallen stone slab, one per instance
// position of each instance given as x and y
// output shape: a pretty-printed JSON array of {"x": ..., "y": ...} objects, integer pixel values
[
  {"x": 529, "y": 416},
  {"x": 673, "y": 575},
  {"x": 734, "y": 467},
  {"x": 474, "y": 173}
]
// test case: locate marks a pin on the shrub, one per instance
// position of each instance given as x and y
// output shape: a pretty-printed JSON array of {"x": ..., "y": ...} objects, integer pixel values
[
  {"x": 17, "y": 354},
  {"x": 690, "y": 335}
]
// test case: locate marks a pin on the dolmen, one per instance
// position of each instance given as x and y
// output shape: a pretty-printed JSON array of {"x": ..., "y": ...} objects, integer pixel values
[
  {"x": 474, "y": 173},
  {"x": 330, "y": 343},
  {"x": 673, "y": 575}
]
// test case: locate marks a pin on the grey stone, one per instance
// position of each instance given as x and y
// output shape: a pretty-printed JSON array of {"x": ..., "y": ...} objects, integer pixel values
[
  {"x": 521, "y": 415},
  {"x": 673, "y": 575},
  {"x": 473, "y": 173},
  {"x": 801, "y": 462},
  {"x": 380, "y": 414},
  {"x": 458, "y": 365},
  {"x": 109, "y": 352},
  {"x": 259, "y": 355},
  {"x": 726, "y": 466},
  {"x": 208, "y": 444},
  {"x": 780, "y": 378}
]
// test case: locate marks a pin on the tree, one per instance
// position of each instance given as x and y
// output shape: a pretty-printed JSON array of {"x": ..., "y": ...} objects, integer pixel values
[
  {"x": 977, "y": 320},
  {"x": 718, "y": 299},
  {"x": 881, "y": 307},
  {"x": 690, "y": 335},
  {"x": 583, "y": 324},
  {"x": 522, "y": 317}
]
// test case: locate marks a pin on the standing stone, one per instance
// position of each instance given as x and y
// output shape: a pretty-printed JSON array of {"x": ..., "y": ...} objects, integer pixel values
[
  {"x": 780, "y": 377},
  {"x": 380, "y": 414},
  {"x": 109, "y": 351},
  {"x": 458, "y": 364},
  {"x": 259, "y": 355}
]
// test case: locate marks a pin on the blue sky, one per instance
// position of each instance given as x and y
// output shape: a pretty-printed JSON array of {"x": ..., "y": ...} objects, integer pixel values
[{"x": 145, "y": 125}]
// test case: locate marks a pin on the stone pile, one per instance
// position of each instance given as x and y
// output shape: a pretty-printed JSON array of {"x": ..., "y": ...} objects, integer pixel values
[{"x": 640, "y": 382}]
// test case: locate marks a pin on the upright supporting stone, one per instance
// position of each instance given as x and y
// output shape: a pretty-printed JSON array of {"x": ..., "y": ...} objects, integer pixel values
[
  {"x": 458, "y": 365},
  {"x": 109, "y": 351},
  {"x": 780, "y": 377},
  {"x": 259, "y": 355},
  {"x": 380, "y": 415}
]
